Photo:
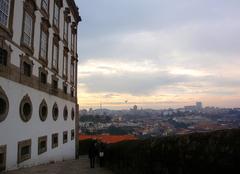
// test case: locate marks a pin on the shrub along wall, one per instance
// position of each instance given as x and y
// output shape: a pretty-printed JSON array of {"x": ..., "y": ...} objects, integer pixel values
[
  {"x": 84, "y": 146},
  {"x": 213, "y": 152}
]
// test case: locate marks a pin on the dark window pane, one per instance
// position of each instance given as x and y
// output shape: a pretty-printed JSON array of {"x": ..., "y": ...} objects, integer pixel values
[
  {"x": 26, "y": 109},
  {"x": 3, "y": 106},
  {"x": 55, "y": 140},
  {"x": 43, "y": 78},
  {"x": 65, "y": 89},
  {"x": 25, "y": 150},
  {"x": 1, "y": 158},
  {"x": 27, "y": 69},
  {"x": 3, "y": 57}
]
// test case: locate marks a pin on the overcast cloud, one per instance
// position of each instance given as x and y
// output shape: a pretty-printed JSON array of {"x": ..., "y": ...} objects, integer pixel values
[{"x": 148, "y": 48}]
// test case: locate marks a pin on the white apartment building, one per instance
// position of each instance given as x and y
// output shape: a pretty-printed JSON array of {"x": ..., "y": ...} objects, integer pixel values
[{"x": 38, "y": 82}]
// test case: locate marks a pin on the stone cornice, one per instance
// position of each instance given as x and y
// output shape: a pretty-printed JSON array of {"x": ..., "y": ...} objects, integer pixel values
[{"x": 74, "y": 9}]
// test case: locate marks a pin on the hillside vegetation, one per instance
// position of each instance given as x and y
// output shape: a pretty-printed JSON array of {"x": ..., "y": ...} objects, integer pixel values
[{"x": 213, "y": 152}]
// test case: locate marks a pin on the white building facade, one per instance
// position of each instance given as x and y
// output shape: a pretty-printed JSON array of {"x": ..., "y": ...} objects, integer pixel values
[{"x": 38, "y": 82}]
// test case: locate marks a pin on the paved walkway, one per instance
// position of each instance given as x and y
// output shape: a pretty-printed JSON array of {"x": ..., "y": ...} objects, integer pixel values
[{"x": 80, "y": 166}]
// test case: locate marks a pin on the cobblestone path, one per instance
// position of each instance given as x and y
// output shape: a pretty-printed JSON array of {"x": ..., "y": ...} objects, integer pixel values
[{"x": 80, "y": 166}]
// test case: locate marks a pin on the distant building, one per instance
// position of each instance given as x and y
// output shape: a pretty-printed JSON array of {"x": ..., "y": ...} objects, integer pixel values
[
  {"x": 198, "y": 105},
  {"x": 38, "y": 82}
]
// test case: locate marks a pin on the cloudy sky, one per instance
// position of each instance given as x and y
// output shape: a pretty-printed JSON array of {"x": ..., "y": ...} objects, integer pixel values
[{"x": 159, "y": 53}]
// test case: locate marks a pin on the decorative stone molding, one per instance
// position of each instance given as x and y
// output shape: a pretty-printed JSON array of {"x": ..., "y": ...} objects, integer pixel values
[
  {"x": 65, "y": 113},
  {"x": 25, "y": 108},
  {"x": 43, "y": 110},
  {"x": 24, "y": 150},
  {"x": 55, "y": 112},
  {"x": 42, "y": 145}
]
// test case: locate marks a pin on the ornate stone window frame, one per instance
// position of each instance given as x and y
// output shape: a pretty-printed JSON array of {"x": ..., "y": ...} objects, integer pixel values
[
  {"x": 7, "y": 31},
  {"x": 44, "y": 28},
  {"x": 59, "y": 3},
  {"x": 65, "y": 63},
  {"x": 72, "y": 70},
  {"x": 72, "y": 114},
  {"x": 65, "y": 137},
  {"x": 73, "y": 37},
  {"x": 25, "y": 100},
  {"x": 41, "y": 71},
  {"x": 72, "y": 134},
  {"x": 67, "y": 20},
  {"x": 54, "y": 88},
  {"x": 54, "y": 144},
  {"x": 43, "y": 10},
  {"x": 4, "y": 98},
  {"x": 55, "y": 111},
  {"x": 4, "y": 46},
  {"x": 72, "y": 92},
  {"x": 27, "y": 60},
  {"x": 56, "y": 40},
  {"x": 65, "y": 86},
  {"x": 41, "y": 140},
  {"x": 21, "y": 145},
  {"x": 29, "y": 7},
  {"x": 3, "y": 152},
  {"x": 42, "y": 115},
  {"x": 65, "y": 113}
]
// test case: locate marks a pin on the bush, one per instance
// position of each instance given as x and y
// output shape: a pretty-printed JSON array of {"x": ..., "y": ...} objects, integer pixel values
[
  {"x": 84, "y": 146},
  {"x": 213, "y": 152}
]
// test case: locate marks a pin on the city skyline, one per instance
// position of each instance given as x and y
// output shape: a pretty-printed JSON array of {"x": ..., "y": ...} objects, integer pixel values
[{"x": 158, "y": 54}]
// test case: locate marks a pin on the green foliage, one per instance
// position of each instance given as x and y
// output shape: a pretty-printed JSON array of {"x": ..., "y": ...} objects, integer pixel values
[{"x": 213, "y": 152}]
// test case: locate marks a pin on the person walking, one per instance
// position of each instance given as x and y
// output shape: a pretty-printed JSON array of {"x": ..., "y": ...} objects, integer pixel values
[
  {"x": 92, "y": 154},
  {"x": 101, "y": 154}
]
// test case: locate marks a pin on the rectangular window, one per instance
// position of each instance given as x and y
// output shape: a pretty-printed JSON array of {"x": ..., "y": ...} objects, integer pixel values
[
  {"x": 3, "y": 57},
  {"x": 65, "y": 34},
  {"x": 55, "y": 56},
  {"x": 3, "y": 150},
  {"x": 72, "y": 134},
  {"x": 45, "y": 5},
  {"x": 72, "y": 72},
  {"x": 72, "y": 42},
  {"x": 27, "y": 30},
  {"x": 65, "y": 88},
  {"x": 43, "y": 77},
  {"x": 27, "y": 69},
  {"x": 42, "y": 145},
  {"x": 24, "y": 150},
  {"x": 54, "y": 140},
  {"x": 65, "y": 137},
  {"x": 56, "y": 15},
  {"x": 4, "y": 10},
  {"x": 65, "y": 65},
  {"x": 55, "y": 84},
  {"x": 43, "y": 45},
  {"x": 72, "y": 93}
]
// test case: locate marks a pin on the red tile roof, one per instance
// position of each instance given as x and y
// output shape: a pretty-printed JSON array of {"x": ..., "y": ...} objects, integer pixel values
[{"x": 109, "y": 139}]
